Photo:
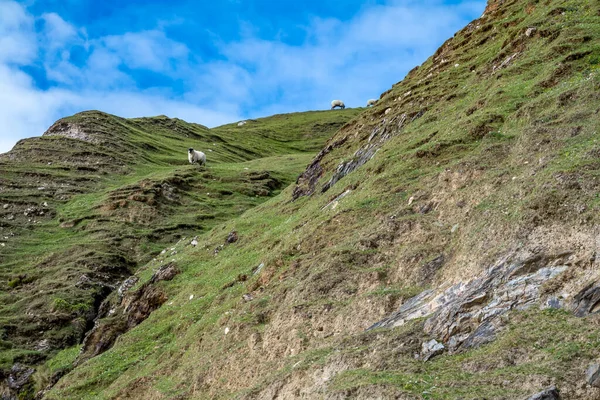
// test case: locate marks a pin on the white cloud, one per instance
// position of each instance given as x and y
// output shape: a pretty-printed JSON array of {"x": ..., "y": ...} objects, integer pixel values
[
  {"x": 150, "y": 50},
  {"x": 352, "y": 60},
  {"x": 58, "y": 32},
  {"x": 17, "y": 38}
]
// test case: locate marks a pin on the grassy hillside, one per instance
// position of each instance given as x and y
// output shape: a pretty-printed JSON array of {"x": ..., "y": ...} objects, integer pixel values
[
  {"x": 487, "y": 152},
  {"x": 97, "y": 195}
]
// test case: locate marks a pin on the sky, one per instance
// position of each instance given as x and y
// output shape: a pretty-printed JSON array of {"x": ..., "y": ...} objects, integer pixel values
[{"x": 211, "y": 62}]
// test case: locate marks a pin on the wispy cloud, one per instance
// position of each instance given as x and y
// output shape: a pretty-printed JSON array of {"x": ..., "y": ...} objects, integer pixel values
[{"x": 50, "y": 67}]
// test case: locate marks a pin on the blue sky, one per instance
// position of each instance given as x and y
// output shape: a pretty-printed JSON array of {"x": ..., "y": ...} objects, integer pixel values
[{"x": 210, "y": 62}]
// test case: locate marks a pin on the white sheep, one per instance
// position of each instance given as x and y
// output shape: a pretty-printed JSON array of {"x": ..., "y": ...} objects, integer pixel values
[
  {"x": 337, "y": 103},
  {"x": 196, "y": 157},
  {"x": 371, "y": 102}
]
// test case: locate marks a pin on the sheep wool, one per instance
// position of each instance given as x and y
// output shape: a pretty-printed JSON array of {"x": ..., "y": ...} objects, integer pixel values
[
  {"x": 196, "y": 157},
  {"x": 337, "y": 103}
]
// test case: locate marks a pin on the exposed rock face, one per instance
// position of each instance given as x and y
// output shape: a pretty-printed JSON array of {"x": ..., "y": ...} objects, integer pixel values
[
  {"x": 379, "y": 136},
  {"x": 18, "y": 378},
  {"x": 19, "y": 375},
  {"x": 383, "y": 132},
  {"x": 72, "y": 131},
  {"x": 307, "y": 181},
  {"x": 469, "y": 314},
  {"x": 587, "y": 300},
  {"x": 132, "y": 308}
]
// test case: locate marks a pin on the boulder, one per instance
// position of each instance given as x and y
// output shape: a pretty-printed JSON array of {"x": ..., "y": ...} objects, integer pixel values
[
  {"x": 592, "y": 375},
  {"x": 431, "y": 349},
  {"x": 548, "y": 394}
]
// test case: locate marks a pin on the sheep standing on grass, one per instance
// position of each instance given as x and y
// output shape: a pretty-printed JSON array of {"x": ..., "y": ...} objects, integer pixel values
[
  {"x": 371, "y": 102},
  {"x": 337, "y": 103},
  {"x": 196, "y": 157}
]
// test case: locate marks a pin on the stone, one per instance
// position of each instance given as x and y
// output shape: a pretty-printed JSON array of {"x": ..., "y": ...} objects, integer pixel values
[
  {"x": 431, "y": 349},
  {"x": 592, "y": 375},
  {"x": 387, "y": 111},
  {"x": 5, "y": 206},
  {"x": 247, "y": 297},
  {"x": 19, "y": 376},
  {"x": 548, "y": 394},
  {"x": 126, "y": 285},
  {"x": 454, "y": 228},
  {"x": 84, "y": 280},
  {"x": 530, "y": 31},
  {"x": 258, "y": 269},
  {"x": 194, "y": 243},
  {"x": 42, "y": 345},
  {"x": 165, "y": 273},
  {"x": 232, "y": 237},
  {"x": 586, "y": 301}
]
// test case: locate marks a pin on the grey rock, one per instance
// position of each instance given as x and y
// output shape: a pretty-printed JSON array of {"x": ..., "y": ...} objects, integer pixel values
[
  {"x": 469, "y": 314},
  {"x": 431, "y": 349},
  {"x": 592, "y": 375},
  {"x": 126, "y": 285},
  {"x": 258, "y": 269},
  {"x": 548, "y": 394},
  {"x": 19, "y": 376},
  {"x": 247, "y": 297},
  {"x": 42, "y": 345},
  {"x": 587, "y": 301},
  {"x": 165, "y": 273},
  {"x": 232, "y": 237},
  {"x": 530, "y": 31}
]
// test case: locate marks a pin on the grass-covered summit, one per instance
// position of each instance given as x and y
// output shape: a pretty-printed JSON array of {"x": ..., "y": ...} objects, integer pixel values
[{"x": 96, "y": 196}]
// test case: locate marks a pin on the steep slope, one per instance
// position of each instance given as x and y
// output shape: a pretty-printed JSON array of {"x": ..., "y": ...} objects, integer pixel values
[
  {"x": 463, "y": 207},
  {"x": 97, "y": 195}
]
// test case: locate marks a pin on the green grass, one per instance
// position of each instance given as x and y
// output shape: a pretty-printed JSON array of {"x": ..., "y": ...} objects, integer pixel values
[
  {"x": 109, "y": 208},
  {"x": 502, "y": 153}
]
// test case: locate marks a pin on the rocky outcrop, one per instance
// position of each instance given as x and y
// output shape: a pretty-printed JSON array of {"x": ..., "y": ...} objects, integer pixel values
[
  {"x": 130, "y": 309},
  {"x": 382, "y": 133},
  {"x": 470, "y": 314},
  {"x": 71, "y": 131},
  {"x": 19, "y": 377}
]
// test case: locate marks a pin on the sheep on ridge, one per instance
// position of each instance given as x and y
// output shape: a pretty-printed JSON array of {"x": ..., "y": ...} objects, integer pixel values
[
  {"x": 196, "y": 157},
  {"x": 337, "y": 103},
  {"x": 371, "y": 102}
]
